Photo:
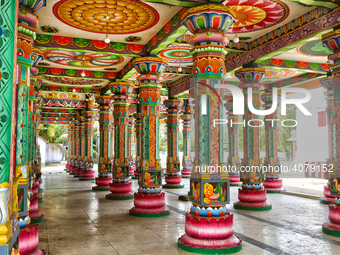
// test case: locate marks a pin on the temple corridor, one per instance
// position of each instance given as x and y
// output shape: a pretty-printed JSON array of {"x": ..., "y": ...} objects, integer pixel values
[{"x": 80, "y": 221}]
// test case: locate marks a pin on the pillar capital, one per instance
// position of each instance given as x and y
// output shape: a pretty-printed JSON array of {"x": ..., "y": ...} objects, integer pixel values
[
  {"x": 104, "y": 100},
  {"x": 121, "y": 88},
  {"x": 208, "y": 23},
  {"x": 150, "y": 68},
  {"x": 251, "y": 76}
]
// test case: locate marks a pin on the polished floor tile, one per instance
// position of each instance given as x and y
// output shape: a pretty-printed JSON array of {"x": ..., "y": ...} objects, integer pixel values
[{"x": 80, "y": 221}]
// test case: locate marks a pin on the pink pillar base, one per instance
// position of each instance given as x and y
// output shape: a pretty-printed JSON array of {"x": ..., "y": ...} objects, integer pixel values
[
  {"x": 273, "y": 186},
  {"x": 173, "y": 182},
  {"x": 80, "y": 172},
  {"x": 88, "y": 175},
  {"x": 29, "y": 241},
  {"x": 103, "y": 184},
  {"x": 73, "y": 170},
  {"x": 135, "y": 175},
  {"x": 327, "y": 198},
  {"x": 332, "y": 227},
  {"x": 186, "y": 173},
  {"x": 120, "y": 191},
  {"x": 255, "y": 200},
  {"x": 234, "y": 179},
  {"x": 152, "y": 205},
  {"x": 209, "y": 235}
]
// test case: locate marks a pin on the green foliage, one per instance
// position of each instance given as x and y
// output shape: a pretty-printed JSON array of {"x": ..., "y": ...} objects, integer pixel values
[{"x": 53, "y": 133}]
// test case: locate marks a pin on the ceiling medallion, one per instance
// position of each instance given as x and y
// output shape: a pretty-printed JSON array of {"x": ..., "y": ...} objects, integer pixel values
[
  {"x": 81, "y": 59},
  {"x": 256, "y": 15},
  {"x": 125, "y": 16}
]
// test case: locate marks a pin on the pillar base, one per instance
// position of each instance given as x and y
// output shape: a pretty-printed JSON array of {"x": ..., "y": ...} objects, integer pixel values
[
  {"x": 38, "y": 252},
  {"x": 29, "y": 241},
  {"x": 40, "y": 200},
  {"x": 88, "y": 176},
  {"x": 327, "y": 198},
  {"x": 72, "y": 173},
  {"x": 37, "y": 217},
  {"x": 120, "y": 191},
  {"x": 236, "y": 184},
  {"x": 186, "y": 173},
  {"x": 275, "y": 190},
  {"x": 232, "y": 244},
  {"x": 331, "y": 228},
  {"x": 172, "y": 186},
  {"x": 173, "y": 182},
  {"x": 253, "y": 200},
  {"x": 273, "y": 186},
  {"x": 40, "y": 190},
  {"x": 103, "y": 184},
  {"x": 152, "y": 205},
  {"x": 84, "y": 179},
  {"x": 234, "y": 179},
  {"x": 264, "y": 206}
]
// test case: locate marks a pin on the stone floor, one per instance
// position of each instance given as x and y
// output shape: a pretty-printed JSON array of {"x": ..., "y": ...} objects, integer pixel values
[{"x": 79, "y": 221}]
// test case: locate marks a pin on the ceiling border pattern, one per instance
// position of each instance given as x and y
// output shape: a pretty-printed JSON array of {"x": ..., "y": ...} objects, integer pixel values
[
  {"x": 326, "y": 20},
  {"x": 76, "y": 73}
]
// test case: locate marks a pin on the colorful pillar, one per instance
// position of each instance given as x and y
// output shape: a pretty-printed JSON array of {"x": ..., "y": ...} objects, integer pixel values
[
  {"x": 137, "y": 126},
  {"x": 173, "y": 179},
  {"x": 252, "y": 195},
  {"x": 71, "y": 146},
  {"x": 88, "y": 173},
  {"x": 186, "y": 162},
  {"x": 67, "y": 167},
  {"x": 130, "y": 138},
  {"x": 272, "y": 183},
  {"x": 209, "y": 225},
  {"x": 105, "y": 121},
  {"x": 81, "y": 152},
  {"x": 149, "y": 201},
  {"x": 330, "y": 110},
  {"x": 121, "y": 185},
  {"x": 233, "y": 130},
  {"x": 75, "y": 146},
  {"x": 331, "y": 40}
]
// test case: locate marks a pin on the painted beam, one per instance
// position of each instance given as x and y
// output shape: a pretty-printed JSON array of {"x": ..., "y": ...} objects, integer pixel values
[
  {"x": 88, "y": 45},
  {"x": 319, "y": 21},
  {"x": 76, "y": 73},
  {"x": 48, "y": 88},
  {"x": 288, "y": 36},
  {"x": 63, "y": 103},
  {"x": 325, "y": 3},
  {"x": 183, "y": 3},
  {"x": 295, "y": 65}
]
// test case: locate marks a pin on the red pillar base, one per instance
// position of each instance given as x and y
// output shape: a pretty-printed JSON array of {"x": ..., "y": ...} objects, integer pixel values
[
  {"x": 186, "y": 173},
  {"x": 252, "y": 200},
  {"x": 209, "y": 235},
  {"x": 88, "y": 176},
  {"x": 74, "y": 170},
  {"x": 327, "y": 198},
  {"x": 173, "y": 182},
  {"x": 103, "y": 184},
  {"x": 79, "y": 173},
  {"x": 152, "y": 205},
  {"x": 120, "y": 191},
  {"x": 29, "y": 241},
  {"x": 273, "y": 186},
  {"x": 234, "y": 180},
  {"x": 332, "y": 227}
]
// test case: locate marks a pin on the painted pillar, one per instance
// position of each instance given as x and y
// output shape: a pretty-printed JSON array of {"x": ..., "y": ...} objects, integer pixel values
[
  {"x": 130, "y": 139},
  {"x": 209, "y": 225},
  {"x": 88, "y": 173},
  {"x": 252, "y": 195},
  {"x": 121, "y": 185},
  {"x": 75, "y": 146},
  {"x": 8, "y": 187},
  {"x": 272, "y": 183},
  {"x": 330, "y": 110},
  {"x": 137, "y": 117},
  {"x": 233, "y": 133},
  {"x": 149, "y": 201},
  {"x": 71, "y": 125},
  {"x": 173, "y": 179},
  {"x": 67, "y": 167},
  {"x": 105, "y": 121},
  {"x": 331, "y": 40},
  {"x": 81, "y": 140},
  {"x": 186, "y": 162}
]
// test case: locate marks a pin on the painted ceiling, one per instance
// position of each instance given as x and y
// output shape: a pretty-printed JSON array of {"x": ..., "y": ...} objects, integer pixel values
[
  {"x": 71, "y": 35},
  {"x": 88, "y": 19}
]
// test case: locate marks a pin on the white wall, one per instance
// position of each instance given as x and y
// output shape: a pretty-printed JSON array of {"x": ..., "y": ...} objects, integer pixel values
[
  {"x": 42, "y": 145},
  {"x": 50, "y": 153},
  {"x": 311, "y": 139}
]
